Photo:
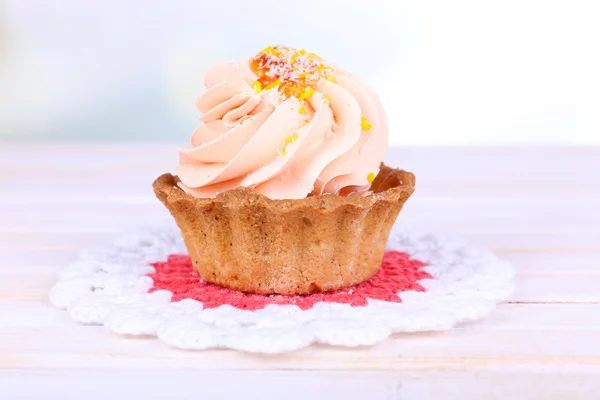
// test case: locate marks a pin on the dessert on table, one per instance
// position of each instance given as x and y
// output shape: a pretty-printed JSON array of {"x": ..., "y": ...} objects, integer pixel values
[
  {"x": 284, "y": 208},
  {"x": 283, "y": 189}
]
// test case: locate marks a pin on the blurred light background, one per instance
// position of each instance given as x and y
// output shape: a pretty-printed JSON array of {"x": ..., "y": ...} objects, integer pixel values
[{"x": 449, "y": 72}]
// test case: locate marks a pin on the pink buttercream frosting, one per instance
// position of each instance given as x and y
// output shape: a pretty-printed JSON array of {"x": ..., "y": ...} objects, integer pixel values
[{"x": 331, "y": 140}]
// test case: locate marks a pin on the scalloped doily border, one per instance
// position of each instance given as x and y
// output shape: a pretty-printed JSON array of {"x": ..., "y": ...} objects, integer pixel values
[{"x": 108, "y": 286}]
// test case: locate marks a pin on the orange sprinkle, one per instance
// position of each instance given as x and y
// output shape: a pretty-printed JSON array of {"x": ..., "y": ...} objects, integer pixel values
[
  {"x": 257, "y": 86},
  {"x": 293, "y": 90},
  {"x": 371, "y": 177},
  {"x": 364, "y": 124},
  {"x": 302, "y": 110},
  {"x": 307, "y": 93},
  {"x": 273, "y": 84}
]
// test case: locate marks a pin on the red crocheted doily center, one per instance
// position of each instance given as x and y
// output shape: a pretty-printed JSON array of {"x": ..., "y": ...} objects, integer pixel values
[{"x": 398, "y": 273}]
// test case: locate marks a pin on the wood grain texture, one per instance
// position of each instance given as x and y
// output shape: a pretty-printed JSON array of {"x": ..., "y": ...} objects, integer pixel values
[
  {"x": 538, "y": 208},
  {"x": 518, "y": 383}
]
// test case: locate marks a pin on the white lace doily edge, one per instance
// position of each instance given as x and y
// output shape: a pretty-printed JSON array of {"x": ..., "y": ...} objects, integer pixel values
[{"x": 108, "y": 286}]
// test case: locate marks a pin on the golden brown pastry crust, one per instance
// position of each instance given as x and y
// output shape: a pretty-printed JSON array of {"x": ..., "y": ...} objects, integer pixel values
[{"x": 248, "y": 242}]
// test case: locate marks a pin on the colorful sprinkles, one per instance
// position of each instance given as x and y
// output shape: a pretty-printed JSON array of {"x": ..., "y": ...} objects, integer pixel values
[{"x": 294, "y": 72}]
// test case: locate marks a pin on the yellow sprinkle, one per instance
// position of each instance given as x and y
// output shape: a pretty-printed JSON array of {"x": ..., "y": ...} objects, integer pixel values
[
  {"x": 364, "y": 124},
  {"x": 371, "y": 177},
  {"x": 257, "y": 86},
  {"x": 327, "y": 98},
  {"x": 302, "y": 52},
  {"x": 273, "y": 84},
  {"x": 309, "y": 92},
  {"x": 321, "y": 67},
  {"x": 302, "y": 110},
  {"x": 291, "y": 139},
  {"x": 330, "y": 78},
  {"x": 302, "y": 75},
  {"x": 267, "y": 50},
  {"x": 284, "y": 152}
]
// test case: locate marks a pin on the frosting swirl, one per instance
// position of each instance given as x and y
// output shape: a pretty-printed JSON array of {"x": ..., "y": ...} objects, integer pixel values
[{"x": 286, "y": 124}]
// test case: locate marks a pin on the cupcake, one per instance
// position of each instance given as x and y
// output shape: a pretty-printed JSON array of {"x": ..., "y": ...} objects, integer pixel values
[{"x": 283, "y": 189}]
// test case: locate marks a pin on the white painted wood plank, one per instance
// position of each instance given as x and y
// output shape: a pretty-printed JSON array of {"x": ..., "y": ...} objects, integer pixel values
[
  {"x": 26, "y": 287},
  {"x": 95, "y": 347},
  {"x": 557, "y": 289},
  {"x": 557, "y": 264},
  {"x": 567, "y": 317},
  {"x": 44, "y": 260},
  {"x": 152, "y": 384},
  {"x": 470, "y": 383},
  {"x": 41, "y": 313}
]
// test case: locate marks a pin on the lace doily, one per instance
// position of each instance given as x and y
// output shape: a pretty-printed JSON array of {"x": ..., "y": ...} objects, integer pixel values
[{"x": 111, "y": 286}]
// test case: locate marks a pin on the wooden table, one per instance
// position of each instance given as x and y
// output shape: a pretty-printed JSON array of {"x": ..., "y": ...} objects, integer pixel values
[{"x": 536, "y": 207}]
